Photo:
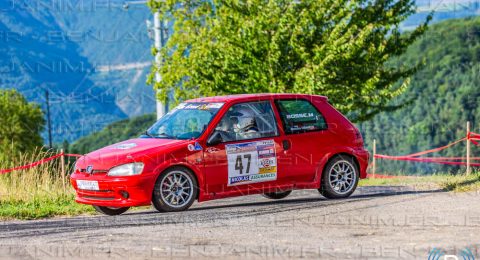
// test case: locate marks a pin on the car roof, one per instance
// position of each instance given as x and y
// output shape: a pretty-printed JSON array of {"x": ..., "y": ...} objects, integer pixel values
[{"x": 253, "y": 97}]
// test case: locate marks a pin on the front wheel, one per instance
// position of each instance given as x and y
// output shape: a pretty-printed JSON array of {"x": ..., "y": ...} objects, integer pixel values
[
  {"x": 340, "y": 178},
  {"x": 175, "y": 190},
  {"x": 277, "y": 195},
  {"x": 110, "y": 211}
]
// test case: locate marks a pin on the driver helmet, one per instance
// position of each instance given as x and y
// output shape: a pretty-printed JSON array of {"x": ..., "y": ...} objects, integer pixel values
[
  {"x": 225, "y": 124},
  {"x": 243, "y": 120}
]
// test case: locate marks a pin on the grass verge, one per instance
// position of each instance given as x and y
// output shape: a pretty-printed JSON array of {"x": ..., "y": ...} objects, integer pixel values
[
  {"x": 447, "y": 182},
  {"x": 38, "y": 192},
  {"x": 44, "y": 207}
]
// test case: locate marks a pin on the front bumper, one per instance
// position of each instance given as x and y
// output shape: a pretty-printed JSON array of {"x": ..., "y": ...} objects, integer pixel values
[{"x": 115, "y": 191}]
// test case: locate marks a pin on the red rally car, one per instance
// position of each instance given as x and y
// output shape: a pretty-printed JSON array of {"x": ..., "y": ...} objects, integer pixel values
[{"x": 217, "y": 147}]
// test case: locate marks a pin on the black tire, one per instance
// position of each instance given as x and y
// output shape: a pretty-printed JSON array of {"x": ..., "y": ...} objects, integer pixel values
[
  {"x": 277, "y": 195},
  {"x": 335, "y": 178},
  {"x": 110, "y": 211},
  {"x": 165, "y": 203}
]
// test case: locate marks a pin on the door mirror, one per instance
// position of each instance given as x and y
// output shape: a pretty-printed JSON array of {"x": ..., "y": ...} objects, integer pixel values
[{"x": 215, "y": 139}]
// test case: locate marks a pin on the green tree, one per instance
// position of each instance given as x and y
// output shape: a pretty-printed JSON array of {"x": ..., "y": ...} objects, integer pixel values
[
  {"x": 20, "y": 124},
  {"x": 337, "y": 48}
]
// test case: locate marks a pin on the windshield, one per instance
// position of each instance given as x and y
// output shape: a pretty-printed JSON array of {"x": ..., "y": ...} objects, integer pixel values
[{"x": 186, "y": 121}]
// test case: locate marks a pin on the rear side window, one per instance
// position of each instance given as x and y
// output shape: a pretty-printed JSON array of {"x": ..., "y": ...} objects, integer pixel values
[{"x": 300, "y": 116}]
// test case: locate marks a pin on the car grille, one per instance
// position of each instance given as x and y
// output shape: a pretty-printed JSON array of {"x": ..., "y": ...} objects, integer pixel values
[{"x": 94, "y": 171}]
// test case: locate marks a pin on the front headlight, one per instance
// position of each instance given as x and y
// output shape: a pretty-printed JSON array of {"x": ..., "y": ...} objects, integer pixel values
[{"x": 128, "y": 169}]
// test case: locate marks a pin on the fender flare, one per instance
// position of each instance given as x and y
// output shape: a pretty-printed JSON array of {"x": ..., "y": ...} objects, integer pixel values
[
  {"x": 195, "y": 169},
  {"x": 329, "y": 156}
]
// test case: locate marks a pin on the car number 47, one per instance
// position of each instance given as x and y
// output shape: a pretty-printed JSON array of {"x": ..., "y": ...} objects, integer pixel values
[{"x": 239, "y": 163}]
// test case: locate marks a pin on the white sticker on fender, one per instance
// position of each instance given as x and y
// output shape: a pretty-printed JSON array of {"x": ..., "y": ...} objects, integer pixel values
[{"x": 251, "y": 162}]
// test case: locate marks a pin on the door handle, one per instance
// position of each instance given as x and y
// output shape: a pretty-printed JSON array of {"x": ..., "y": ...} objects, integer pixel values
[{"x": 286, "y": 144}]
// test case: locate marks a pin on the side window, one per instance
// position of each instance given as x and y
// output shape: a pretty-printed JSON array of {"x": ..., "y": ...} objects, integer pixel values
[
  {"x": 247, "y": 121},
  {"x": 300, "y": 116}
]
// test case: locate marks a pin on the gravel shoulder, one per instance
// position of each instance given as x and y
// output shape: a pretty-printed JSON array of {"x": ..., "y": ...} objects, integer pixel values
[{"x": 377, "y": 222}]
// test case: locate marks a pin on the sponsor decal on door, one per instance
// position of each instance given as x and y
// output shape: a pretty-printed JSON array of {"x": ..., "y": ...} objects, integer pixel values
[{"x": 251, "y": 162}]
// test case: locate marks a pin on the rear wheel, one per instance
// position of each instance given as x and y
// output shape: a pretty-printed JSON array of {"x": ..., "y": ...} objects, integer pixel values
[
  {"x": 277, "y": 195},
  {"x": 175, "y": 190},
  {"x": 340, "y": 177},
  {"x": 111, "y": 211}
]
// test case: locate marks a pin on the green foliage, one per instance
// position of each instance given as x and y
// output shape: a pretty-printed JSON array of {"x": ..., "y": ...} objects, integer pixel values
[
  {"x": 462, "y": 183},
  {"x": 445, "y": 94},
  {"x": 113, "y": 133},
  {"x": 20, "y": 124},
  {"x": 336, "y": 48}
]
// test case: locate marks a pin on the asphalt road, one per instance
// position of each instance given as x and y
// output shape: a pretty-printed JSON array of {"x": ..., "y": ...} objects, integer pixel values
[{"x": 375, "y": 223}]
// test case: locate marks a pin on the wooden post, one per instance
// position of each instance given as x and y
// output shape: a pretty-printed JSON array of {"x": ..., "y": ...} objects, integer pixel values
[
  {"x": 374, "y": 163},
  {"x": 468, "y": 148},
  {"x": 62, "y": 162}
]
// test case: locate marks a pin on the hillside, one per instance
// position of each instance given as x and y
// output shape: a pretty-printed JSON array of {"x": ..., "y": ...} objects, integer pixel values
[
  {"x": 113, "y": 133},
  {"x": 445, "y": 94},
  {"x": 77, "y": 50}
]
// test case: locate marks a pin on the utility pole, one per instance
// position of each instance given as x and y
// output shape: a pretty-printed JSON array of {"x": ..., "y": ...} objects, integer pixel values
[
  {"x": 49, "y": 121},
  {"x": 468, "y": 148},
  {"x": 159, "y": 43},
  {"x": 160, "y": 39}
]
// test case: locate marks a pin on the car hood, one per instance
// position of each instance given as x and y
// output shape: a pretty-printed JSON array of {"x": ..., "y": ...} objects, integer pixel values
[{"x": 125, "y": 152}]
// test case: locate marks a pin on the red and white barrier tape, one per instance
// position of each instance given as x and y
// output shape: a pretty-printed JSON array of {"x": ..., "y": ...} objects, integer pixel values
[
  {"x": 472, "y": 137},
  {"x": 432, "y": 150},
  {"x": 414, "y": 157},
  {"x": 72, "y": 155},
  {"x": 425, "y": 160},
  {"x": 33, "y": 164}
]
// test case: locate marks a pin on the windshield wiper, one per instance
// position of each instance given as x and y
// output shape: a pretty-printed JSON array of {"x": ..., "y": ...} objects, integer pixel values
[
  {"x": 165, "y": 136},
  {"x": 148, "y": 134},
  {"x": 162, "y": 135}
]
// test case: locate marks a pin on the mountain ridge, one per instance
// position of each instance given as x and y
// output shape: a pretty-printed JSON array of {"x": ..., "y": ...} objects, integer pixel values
[{"x": 63, "y": 49}]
